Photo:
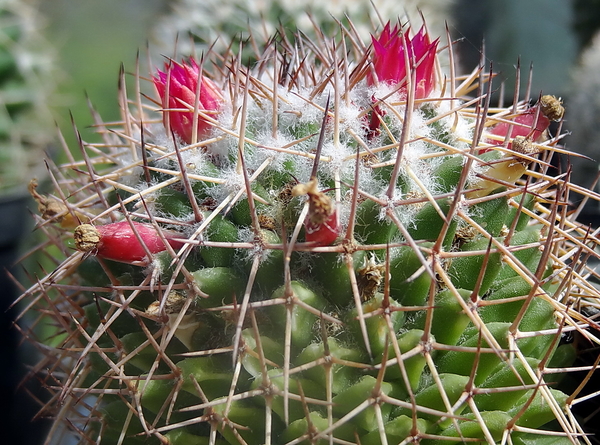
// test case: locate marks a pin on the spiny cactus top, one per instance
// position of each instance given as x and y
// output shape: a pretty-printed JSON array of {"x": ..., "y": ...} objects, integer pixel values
[
  {"x": 338, "y": 244},
  {"x": 196, "y": 26}
]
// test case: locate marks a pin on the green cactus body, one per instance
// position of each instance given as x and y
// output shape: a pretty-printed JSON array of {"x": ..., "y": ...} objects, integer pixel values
[{"x": 344, "y": 263}]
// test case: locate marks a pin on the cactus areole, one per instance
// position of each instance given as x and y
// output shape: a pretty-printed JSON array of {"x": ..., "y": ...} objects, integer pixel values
[{"x": 341, "y": 243}]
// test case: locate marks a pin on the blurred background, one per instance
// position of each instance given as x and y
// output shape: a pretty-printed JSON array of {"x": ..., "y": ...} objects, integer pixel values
[{"x": 87, "y": 42}]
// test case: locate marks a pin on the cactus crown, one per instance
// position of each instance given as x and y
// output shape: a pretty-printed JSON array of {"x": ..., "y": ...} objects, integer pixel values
[{"x": 335, "y": 245}]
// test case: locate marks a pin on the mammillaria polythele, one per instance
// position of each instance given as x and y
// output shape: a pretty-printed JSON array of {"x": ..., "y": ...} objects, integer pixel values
[{"x": 338, "y": 244}]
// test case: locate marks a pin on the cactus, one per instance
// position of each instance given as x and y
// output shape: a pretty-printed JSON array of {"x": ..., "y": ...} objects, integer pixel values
[{"x": 339, "y": 244}]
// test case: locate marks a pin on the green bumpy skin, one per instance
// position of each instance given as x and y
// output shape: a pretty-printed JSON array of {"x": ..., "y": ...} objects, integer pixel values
[{"x": 343, "y": 372}]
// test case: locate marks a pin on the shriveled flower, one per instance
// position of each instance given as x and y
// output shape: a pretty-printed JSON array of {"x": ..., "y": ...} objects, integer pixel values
[
  {"x": 532, "y": 123},
  {"x": 523, "y": 130},
  {"x": 321, "y": 224},
  {"x": 179, "y": 101},
  {"x": 390, "y": 63}
]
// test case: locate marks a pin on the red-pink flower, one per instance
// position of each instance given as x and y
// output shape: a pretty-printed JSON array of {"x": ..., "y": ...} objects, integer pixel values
[
  {"x": 390, "y": 64},
  {"x": 182, "y": 81}
]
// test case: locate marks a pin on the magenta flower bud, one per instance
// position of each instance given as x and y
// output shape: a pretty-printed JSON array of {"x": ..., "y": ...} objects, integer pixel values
[
  {"x": 390, "y": 64},
  {"x": 178, "y": 103}
]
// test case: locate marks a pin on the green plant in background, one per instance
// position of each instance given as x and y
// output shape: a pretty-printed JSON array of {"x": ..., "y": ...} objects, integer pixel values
[
  {"x": 196, "y": 26},
  {"x": 25, "y": 86},
  {"x": 338, "y": 244}
]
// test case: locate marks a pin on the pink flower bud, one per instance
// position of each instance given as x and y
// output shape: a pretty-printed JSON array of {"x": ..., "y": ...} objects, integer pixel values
[
  {"x": 118, "y": 241},
  {"x": 182, "y": 80},
  {"x": 389, "y": 59}
]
